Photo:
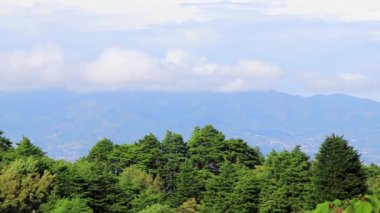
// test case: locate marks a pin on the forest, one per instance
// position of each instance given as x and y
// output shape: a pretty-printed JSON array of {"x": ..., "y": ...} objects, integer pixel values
[{"x": 208, "y": 173}]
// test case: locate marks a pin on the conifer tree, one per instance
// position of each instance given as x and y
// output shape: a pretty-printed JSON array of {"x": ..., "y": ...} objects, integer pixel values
[
  {"x": 287, "y": 185},
  {"x": 100, "y": 152},
  {"x": 5, "y": 143},
  {"x": 174, "y": 153},
  {"x": 338, "y": 172},
  {"x": 204, "y": 148},
  {"x": 218, "y": 196},
  {"x": 146, "y": 152},
  {"x": 189, "y": 185},
  {"x": 25, "y": 148}
]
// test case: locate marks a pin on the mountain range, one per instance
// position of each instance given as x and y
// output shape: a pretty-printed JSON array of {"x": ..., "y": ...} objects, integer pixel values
[{"x": 66, "y": 124}]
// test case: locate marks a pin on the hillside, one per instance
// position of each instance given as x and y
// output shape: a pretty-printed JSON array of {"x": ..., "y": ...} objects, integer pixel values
[{"x": 66, "y": 124}]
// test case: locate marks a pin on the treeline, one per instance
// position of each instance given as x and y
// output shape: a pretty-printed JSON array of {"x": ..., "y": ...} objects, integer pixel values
[{"x": 208, "y": 173}]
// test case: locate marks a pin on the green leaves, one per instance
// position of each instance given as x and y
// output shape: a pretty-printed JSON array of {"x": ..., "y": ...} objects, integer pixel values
[
  {"x": 24, "y": 186},
  {"x": 207, "y": 174},
  {"x": 361, "y": 204}
]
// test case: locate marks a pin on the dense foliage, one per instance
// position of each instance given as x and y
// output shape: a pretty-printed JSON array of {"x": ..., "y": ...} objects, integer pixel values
[{"x": 208, "y": 173}]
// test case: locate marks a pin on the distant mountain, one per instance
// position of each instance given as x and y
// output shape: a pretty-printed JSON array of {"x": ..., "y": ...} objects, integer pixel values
[{"x": 66, "y": 124}]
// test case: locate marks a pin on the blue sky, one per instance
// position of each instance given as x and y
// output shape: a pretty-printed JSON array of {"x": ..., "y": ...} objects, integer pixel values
[{"x": 302, "y": 47}]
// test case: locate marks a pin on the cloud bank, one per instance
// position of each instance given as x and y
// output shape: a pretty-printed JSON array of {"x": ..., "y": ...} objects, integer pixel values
[
  {"x": 47, "y": 66},
  {"x": 116, "y": 15}
]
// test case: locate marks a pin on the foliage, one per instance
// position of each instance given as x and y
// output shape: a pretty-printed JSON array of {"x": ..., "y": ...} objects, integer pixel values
[
  {"x": 157, "y": 208},
  {"x": 338, "y": 171},
  {"x": 71, "y": 205},
  {"x": 361, "y": 204},
  {"x": 209, "y": 173},
  {"x": 286, "y": 185},
  {"x": 24, "y": 186},
  {"x": 5, "y": 143},
  {"x": 189, "y": 206},
  {"x": 25, "y": 149}
]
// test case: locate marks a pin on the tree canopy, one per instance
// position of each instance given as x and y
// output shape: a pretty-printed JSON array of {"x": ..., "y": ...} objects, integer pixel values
[{"x": 208, "y": 173}]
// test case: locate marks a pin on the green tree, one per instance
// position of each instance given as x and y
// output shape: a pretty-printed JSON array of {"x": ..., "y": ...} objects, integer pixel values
[
  {"x": 174, "y": 153},
  {"x": 142, "y": 188},
  {"x": 189, "y": 206},
  {"x": 101, "y": 151},
  {"x": 146, "y": 152},
  {"x": 120, "y": 158},
  {"x": 5, "y": 143},
  {"x": 205, "y": 148},
  {"x": 190, "y": 183},
  {"x": 238, "y": 151},
  {"x": 74, "y": 205},
  {"x": 218, "y": 196},
  {"x": 157, "y": 208},
  {"x": 24, "y": 186},
  {"x": 338, "y": 172},
  {"x": 246, "y": 192},
  {"x": 7, "y": 152},
  {"x": 95, "y": 183},
  {"x": 373, "y": 178},
  {"x": 286, "y": 187},
  {"x": 25, "y": 149}
]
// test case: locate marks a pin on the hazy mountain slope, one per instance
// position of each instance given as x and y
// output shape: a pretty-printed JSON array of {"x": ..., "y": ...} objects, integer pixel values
[{"x": 67, "y": 124}]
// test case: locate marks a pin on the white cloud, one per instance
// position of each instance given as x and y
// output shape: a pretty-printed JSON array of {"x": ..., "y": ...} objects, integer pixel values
[
  {"x": 128, "y": 69},
  {"x": 29, "y": 69},
  {"x": 335, "y": 10},
  {"x": 89, "y": 15},
  {"x": 47, "y": 66},
  {"x": 115, "y": 15}
]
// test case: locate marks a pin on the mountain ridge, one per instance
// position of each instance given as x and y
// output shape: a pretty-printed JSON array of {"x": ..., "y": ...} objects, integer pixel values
[{"x": 67, "y": 124}]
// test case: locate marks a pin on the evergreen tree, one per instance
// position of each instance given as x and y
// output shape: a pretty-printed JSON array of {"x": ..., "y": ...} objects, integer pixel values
[
  {"x": 238, "y": 151},
  {"x": 189, "y": 183},
  {"x": 205, "y": 148},
  {"x": 157, "y": 208},
  {"x": 189, "y": 206},
  {"x": 245, "y": 197},
  {"x": 174, "y": 153},
  {"x": 142, "y": 188},
  {"x": 101, "y": 151},
  {"x": 218, "y": 196},
  {"x": 146, "y": 152},
  {"x": 7, "y": 152},
  {"x": 287, "y": 185},
  {"x": 95, "y": 183},
  {"x": 25, "y": 148},
  {"x": 75, "y": 205},
  {"x": 5, "y": 143},
  {"x": 120, "y": 158},
  {"x": 338, "y": 172}
]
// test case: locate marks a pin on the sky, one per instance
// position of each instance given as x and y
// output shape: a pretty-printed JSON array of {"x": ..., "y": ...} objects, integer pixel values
[{"x": 301, "y": 47}]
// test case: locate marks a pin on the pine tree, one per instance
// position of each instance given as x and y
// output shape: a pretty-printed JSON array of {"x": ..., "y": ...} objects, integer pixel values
[
  {"x": 205, "y": 148},
  {"x": 287, "y": 185},
  {"x": 338, "y": 171},
  {"x": 218, "y": 196},
  {"x": 25, "y": 148},
  {"x": 238, "y": 151},
  {"x": 146, "y": 152},
  {"x": 5, "y": 143},
  {"x": 247, "y": 190},
  {"x": 189, "y": 183},
  {"x": 100, "y": 152},
  {"x": 174, "y": 153}
]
